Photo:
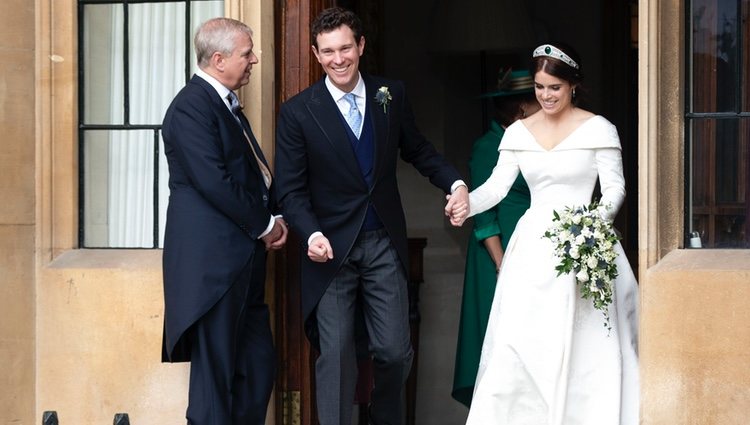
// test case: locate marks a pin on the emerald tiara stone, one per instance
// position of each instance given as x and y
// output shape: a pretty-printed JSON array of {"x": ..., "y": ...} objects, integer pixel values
[{"x": 554, "y": 52}]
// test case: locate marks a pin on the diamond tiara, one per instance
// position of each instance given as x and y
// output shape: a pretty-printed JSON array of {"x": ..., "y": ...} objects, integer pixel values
[{"x": 554, "y": 52}]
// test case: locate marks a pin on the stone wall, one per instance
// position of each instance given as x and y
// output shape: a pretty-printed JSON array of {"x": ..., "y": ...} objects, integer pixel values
[{"x": 17, "y": 219}]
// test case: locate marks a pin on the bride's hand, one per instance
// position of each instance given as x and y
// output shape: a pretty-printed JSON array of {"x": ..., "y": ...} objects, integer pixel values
[
  {"x": 457, "y": 209},
  {"x": 458, "y": 218}
]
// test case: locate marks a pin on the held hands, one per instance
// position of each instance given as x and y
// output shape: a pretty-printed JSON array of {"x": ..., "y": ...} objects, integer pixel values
[
  {"x": 276, "y": 238},
  {"x": 320, "y": 250},
  {"x": 457, "y": 208}
]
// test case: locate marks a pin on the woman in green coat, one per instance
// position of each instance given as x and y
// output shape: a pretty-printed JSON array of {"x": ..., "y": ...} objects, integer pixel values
[{"x": 492, "y": 229}]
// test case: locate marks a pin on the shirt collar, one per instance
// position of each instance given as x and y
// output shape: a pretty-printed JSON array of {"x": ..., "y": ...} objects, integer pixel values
[
  {"x": 337, "y": 94},
  {"x": 220, "y": 88}
]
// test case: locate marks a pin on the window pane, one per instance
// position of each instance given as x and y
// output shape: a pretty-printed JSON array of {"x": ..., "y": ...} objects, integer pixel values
[
  {"x": 719, "y": 182},
  {"x": 119, "y": 174},
  {"x": 714, "y": 55},
  {"x": 201, "y": 12},
  {"x": 95, "y": 171},
  {"x": 157, "y": 59},
  {"x": 102, "y": 64},
  {"x": 157, "y": 54}
]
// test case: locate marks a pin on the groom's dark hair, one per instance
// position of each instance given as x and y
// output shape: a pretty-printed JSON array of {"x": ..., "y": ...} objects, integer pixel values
[{"x": 332, "y": 18}]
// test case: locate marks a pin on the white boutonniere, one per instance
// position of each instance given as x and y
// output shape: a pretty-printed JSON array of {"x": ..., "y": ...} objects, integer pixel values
[
  {"x": 584, "y": 244},
  {"x": 383, "y": 97}
]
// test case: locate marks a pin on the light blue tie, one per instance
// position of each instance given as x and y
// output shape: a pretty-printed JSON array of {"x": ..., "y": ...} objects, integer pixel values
[{"x": 353, "y": 118}]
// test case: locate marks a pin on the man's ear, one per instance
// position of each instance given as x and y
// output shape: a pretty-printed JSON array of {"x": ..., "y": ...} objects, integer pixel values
[
  {"x": 361, "y": 45},
  {"x": 315, "y": 52},
  {"x": 217, "y": 61}
]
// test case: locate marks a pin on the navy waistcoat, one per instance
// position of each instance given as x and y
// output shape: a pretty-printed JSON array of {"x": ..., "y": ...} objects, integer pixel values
[{"x": 364, "y": 151}]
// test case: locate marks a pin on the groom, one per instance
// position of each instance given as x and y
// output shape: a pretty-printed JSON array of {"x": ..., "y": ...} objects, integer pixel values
[{"x": 337, "y": 146}]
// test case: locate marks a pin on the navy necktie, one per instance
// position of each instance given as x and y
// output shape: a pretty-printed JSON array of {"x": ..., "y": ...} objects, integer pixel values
[{"x": 234, "y": 104}]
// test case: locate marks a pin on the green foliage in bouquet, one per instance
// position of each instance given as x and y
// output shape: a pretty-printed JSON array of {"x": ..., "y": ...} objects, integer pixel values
[{"x": 584, "y": 242}]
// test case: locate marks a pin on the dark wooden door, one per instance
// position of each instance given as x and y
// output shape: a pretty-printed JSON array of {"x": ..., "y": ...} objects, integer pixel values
[{"x": 296, "y": 69}]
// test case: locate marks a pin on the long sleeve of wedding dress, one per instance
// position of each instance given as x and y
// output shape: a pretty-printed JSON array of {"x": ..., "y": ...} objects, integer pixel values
[
  {"x": 611, "y": 180},
  {"x": 497, "y": 185}
]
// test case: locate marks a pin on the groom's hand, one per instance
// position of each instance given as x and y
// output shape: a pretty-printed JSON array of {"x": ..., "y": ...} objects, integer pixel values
[
  {"x": 320, "y": 250},
  {"x": 457, "y": 208}
]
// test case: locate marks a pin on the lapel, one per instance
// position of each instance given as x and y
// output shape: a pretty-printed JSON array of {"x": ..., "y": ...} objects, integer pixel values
[
  {"x": 380, "y": 123},
  {"x": 327, "y": 116},
  {"x": 216, "y": 101},
  {"x": 230, "y": 122}
]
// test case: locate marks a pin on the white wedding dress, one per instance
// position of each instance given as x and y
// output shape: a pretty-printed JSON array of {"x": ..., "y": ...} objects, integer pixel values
[{"x": 547, "y": 357}]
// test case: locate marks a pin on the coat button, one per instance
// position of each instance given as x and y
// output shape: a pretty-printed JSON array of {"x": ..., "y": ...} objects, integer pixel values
[{"x": 265, "y": 198}]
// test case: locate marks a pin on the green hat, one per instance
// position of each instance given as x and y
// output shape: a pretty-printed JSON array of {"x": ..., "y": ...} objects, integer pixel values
[{"x": 511, "y": 82}]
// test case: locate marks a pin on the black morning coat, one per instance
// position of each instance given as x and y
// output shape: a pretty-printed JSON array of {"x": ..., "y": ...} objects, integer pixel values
[{"x": 321, "y": 188}]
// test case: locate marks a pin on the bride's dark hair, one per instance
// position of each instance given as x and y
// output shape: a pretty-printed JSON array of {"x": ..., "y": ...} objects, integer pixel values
[{"x": 557, "y": 68}]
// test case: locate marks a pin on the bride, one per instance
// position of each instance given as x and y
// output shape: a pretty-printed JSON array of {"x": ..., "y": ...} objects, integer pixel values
[{"x": 547, "y": 358}]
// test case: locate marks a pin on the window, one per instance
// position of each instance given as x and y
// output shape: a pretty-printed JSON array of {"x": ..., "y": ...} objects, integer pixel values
[
  {"x": 134, "y": 56},
  {"x": 718, "y": 124}
]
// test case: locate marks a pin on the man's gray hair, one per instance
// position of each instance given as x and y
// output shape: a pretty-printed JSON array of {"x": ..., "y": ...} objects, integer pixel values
[{"x": 217, "y": 35}]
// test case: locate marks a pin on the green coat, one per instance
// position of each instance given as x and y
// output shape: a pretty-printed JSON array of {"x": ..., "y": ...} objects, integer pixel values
[{"x": 480, "y": 276}]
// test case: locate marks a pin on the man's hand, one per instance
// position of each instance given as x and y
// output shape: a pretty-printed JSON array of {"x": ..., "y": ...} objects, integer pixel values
[
  {"x": 320, "y": 250},
  {"x": 276, "y": 238},
  {"x": 457, "y": 208}
]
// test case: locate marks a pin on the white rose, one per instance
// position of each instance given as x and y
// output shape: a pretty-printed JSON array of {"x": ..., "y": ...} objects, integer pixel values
[
  {"x": 580, "y": 240},
  {"x": 592, "y": 262},
  {"x": 582, "y": 276},
  {"x": 574, "y": 253},
  {"x": 576, "y": 219}
]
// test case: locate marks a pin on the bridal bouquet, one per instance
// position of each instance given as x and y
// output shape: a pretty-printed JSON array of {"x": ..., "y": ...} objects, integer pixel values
[{"x": 584, "y": 243}]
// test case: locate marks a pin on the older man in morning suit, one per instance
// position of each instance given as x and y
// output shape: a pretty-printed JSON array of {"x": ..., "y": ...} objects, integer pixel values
[
  {"x": 337, "y": 148},
  {"x": 220, "y": 222}
]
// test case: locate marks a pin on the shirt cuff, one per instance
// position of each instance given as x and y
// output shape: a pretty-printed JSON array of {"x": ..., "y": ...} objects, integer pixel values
[
  {"x": 457, "y": 184},
  {"x": 271, "y": 222},
  {"x": 313, "y": 236}
]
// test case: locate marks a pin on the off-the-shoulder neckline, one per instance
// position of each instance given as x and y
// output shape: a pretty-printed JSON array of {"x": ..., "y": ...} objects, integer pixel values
[{"x": 533, "y": 138}]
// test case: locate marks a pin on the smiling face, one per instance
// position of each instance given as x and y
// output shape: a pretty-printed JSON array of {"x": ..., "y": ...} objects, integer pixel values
[
  {"x": 338, "y": 53},
  {"x": 553, "y": 94},
  {"x": 235, "y": 68}
]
